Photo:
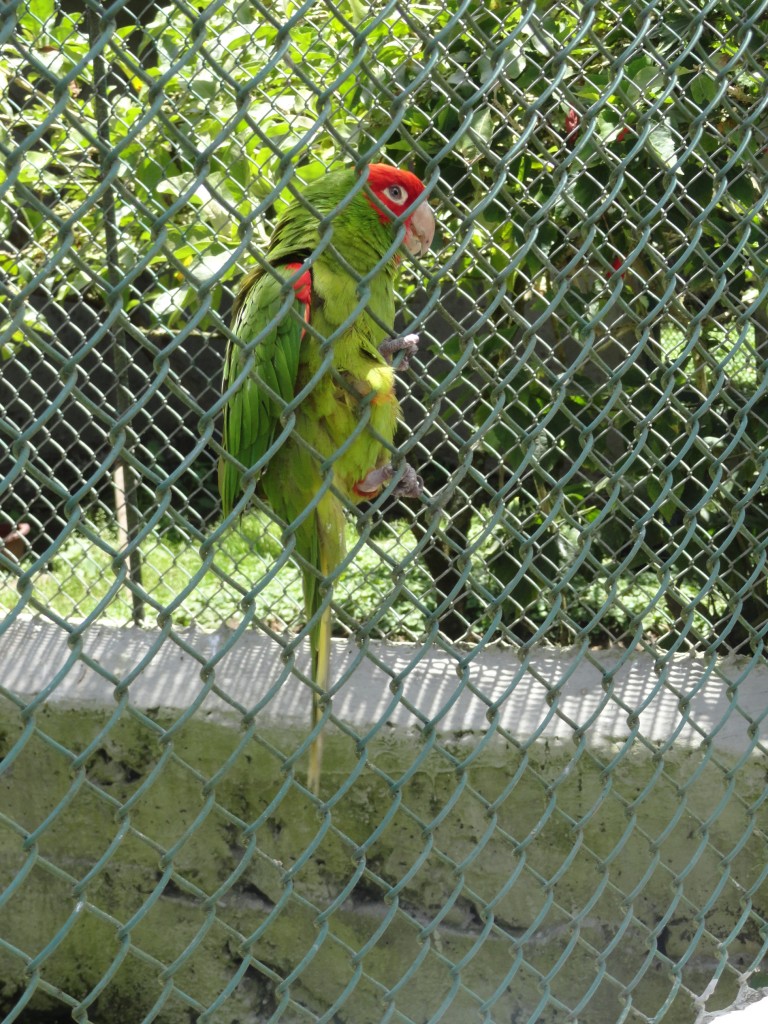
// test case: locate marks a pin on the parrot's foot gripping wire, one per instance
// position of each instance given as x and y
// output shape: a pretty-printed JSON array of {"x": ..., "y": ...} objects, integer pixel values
[
  {"x": 410, "y": 485},
  {"x": 408, "y": 345}
]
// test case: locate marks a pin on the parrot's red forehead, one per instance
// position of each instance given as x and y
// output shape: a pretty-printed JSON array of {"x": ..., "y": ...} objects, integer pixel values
[
  {"x": 382, "y": 179},
  {"x": 381, "y": 176},
  {"x": 395, "y": 194}
]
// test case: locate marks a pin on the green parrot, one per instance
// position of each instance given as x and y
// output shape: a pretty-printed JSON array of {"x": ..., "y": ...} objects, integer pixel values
[{"x": 310, "y": 407}]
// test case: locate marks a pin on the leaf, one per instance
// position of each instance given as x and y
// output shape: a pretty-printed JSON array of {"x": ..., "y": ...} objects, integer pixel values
[
  {"x": 744, "y": 191},
  {"x": 662, "y": 146},
  {"x": 42, "y": 9},
  {"x": 37, "y": 14},
  {"x": 648, "y": 81},
  {"x": 33, "y": 163},
  {"x": 359, "y": 11},
  {"x": 517, "y": 62},
  {"x": 586, "y": 191},
  {"x": 204, "y": 86},
  {"x": 482, "y": 127},
  {"x": 168, "y": 305},
  {"x": 703, "y": 90},
  {"x": 208, "y": 267}
]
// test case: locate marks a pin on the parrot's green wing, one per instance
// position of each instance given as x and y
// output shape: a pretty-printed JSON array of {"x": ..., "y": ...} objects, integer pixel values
[{"x": 260, "y": 373}]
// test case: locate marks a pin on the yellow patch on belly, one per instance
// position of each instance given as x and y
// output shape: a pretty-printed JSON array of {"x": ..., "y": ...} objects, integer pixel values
[
  {"x": 382, "y": 397},
  {"x": 381, "y": 379}
]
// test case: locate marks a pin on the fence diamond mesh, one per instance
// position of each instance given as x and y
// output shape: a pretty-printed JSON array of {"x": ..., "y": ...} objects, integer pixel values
[{"x": 588, "y": 410}]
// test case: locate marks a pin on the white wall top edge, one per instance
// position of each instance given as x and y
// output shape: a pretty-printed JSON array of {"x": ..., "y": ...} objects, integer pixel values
[{"x": 547, "y": 693}]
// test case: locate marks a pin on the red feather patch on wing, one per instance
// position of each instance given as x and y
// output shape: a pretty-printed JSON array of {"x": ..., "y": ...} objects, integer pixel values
[{"x": 302, "y": 286}]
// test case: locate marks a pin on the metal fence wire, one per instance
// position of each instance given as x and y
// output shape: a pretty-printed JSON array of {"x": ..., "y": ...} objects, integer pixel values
[{"x": 588, "y": 410}]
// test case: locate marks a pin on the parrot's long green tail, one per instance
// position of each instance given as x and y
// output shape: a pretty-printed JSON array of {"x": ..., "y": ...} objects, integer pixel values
[
  {"x": 320, "y": 643},
  {"x": 329, "y": 551}
]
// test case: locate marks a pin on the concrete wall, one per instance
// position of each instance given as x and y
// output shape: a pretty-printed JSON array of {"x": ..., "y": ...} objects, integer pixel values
[{"x": 512, "y": 835}]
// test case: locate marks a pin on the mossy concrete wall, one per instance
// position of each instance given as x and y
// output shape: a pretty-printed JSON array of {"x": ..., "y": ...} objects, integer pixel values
[{"x": 563, "y": 836}]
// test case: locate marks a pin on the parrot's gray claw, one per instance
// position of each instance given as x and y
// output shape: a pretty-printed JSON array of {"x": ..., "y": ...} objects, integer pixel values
[
  {"x": 411, "y": 485},
  {"x": 408, "y": 345}
]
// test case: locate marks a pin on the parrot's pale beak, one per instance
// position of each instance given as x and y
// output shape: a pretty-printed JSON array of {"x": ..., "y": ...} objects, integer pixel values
[{"x": 420, "y": 230}]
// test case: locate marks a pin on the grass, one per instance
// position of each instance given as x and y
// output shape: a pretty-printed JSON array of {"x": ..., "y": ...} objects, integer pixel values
[
  {"x": 384, "y": 592},
  {"x": 82, "y": 580}
]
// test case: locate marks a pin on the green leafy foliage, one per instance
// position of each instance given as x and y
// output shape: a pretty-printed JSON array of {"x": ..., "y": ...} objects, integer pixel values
[{"x": 601, "y": 197}]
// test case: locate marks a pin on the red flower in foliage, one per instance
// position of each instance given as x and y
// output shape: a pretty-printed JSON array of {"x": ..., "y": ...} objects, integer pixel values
[
  {"x": 616, "y": 263},
  {"x": 572, "y": 123},
  {"x": 622, "y": 136}
]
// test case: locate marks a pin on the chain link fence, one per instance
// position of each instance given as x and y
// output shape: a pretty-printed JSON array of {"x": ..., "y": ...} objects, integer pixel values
[{"x": 589, "y": 413}]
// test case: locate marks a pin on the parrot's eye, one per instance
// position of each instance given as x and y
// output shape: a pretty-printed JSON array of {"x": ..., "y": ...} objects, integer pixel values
[{"x": 396, "y": 194}]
